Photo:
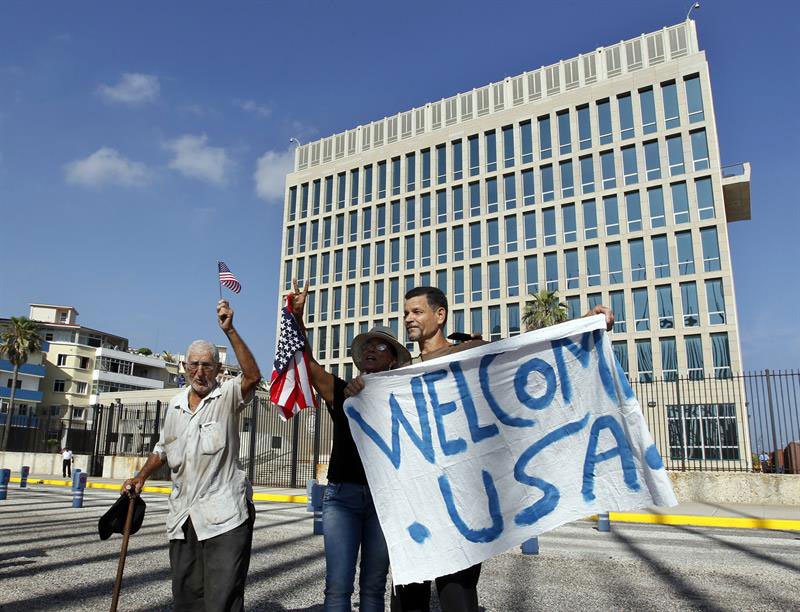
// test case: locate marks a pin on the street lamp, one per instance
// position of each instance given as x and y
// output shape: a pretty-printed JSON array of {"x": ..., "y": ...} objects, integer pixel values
[
  {"x": 695, "y": 5},
  {"x": 295, "y": 141}
]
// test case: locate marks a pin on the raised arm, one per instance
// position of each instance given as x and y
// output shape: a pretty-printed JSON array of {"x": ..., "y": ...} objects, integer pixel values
[
  {"x": 321, "y": 380},
  {"x": 251, "y": 375}
]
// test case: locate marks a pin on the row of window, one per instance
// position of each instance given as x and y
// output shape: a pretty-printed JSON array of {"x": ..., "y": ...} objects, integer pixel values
[
  {"x": 675, "y": 204},
  {"x": 60, "y": 385},
  {"x": 82, "y": 363},
  {"x": 580, "y": 128},
  {"x": 703, "y": 431},
  {"x": 584, "y": 175},
  {"x": 589, "y": 266}
]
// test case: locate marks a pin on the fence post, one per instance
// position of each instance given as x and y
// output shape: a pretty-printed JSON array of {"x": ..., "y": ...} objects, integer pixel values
[
  {"x": 317, "y": 436},
  {"x": 97, "y": 423},
  {"x": 683, "y": 421},
  {"x": 772, "y": 419},
  {"x": 295, "y": 450},
  {"x": 251, "y": 463}
]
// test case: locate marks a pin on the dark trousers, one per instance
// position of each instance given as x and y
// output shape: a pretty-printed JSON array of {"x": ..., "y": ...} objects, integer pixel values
[
  {"x": 457, "y": 593},
  {"x": 210, "y": 575},
  {"x": 65, "y": 467}
]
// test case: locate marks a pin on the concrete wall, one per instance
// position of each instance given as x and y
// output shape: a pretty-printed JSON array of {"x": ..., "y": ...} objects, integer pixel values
[
  {"x": 737, "y": 488},
  {"x": 40, "y": 463},
  {"x": 122, "y": 467}
]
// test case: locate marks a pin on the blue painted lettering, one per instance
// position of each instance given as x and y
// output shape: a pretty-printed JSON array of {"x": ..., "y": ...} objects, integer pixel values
[
  {"x": 486, "y": 534},
  {"x": 521, "y": 383},
  {"x": 449, "y": 447},
  {"x": 502, "y": 415},
  {"x": 621, "y": 450}
]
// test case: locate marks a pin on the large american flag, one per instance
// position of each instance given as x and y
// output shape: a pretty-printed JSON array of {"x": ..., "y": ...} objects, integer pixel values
[
  {"x": 227, "y": 279},
  {"x": 290, "y": 387}
]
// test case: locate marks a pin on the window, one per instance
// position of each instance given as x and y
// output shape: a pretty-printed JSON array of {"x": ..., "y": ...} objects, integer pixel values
[
  {"x": 571, "y": 264},
  {"x": 441, "y": 246},
  {"x": 529, "y": 223},
  {"x": 287, "y": 274},
  {"x": 380, "y": 257},
  {"x": 526, "y": 141},
  {"x": 426, "y": 168},
  {"x": 528, "y": 196},
  {"x": 666, "y": 318},
  {"x": 633, "y": 208},
  {"x": 691, "y": 313},
  {"x": 458, "y": 243},
  {"x": 594, "y": 299},
  {"x": 349, "y": 332},
  {"x": 323, "y": 305},
  {"x": 337, "y": 303},
  {"x": 300, "y": 274},
  {"x": 670, "y": 99},
  {"x": 315, "y": 235},
  {"x": 352, "y": 223},
  {"x": 411, "y": 210},
  {"x": 592, "y": 265},
  {"x": 394, "y": 294},
  {"x": 491, "y": 195},
  {"x": 567, "y": 180},
  {"x": 354, "y": 187},
  {"x": 493, "y": 269},
  {"x": 614, "y": 254},
  {"x": 290, "y": 240},
  {"x": 61, "y": 360},
  {"x": 512, "y": 277},
  {"x": 441, "y": 280},
  {"x": 715, "y": 300},
  {"x": 705, "y": 198},
  {"x": 629, "y": 167},
  {"x": 512, "y": 313},
  {"x": 545, "y": 138},
  {"x": 381, "y": 221},
  {"x": 685, "y": 253},
  {"x": 617, "y": 299},
  {"x": 547, "y": 183},
  {"x": 476, "y": 320},
  {"x": 669, "y": 359},
  {"x": 325, "y": 267},
  {"x": 638, "y": 269},
  {"x": 510, "y": 191},
  {"x": 339, "y": 229},
  {"x": 584, "y": 127},
  {"x": 549, "y": 226},
  {"x": 311, "y": 308},
  {"x": 655, "y": 197},
  {"x": 551, "y": 271},
  {"x": 607, "y": 166},
  {"x": 611, "y": 210},
  {"x": 351, "y": 301},
  {"x": 83, "y": 363},
  {"x": 304, "y": 200},
  {"x": 474, "y": 155},
  {"x": 490, "y": 142},
  {"x": 721, "y": 353},
  {"x": 675, "y": 155},
  {"x": 647, "y": 104},
  {"x": 395, "y": 212},
  {"x": 78, "y": 413},
  {"x": 644, "y": 360},
  {"x": 652, "y": 160},
  {"x": 458, "y": 320},
  {"x": 475, "y": 240},
  {"x": 604, "y": 119},
  {"x": 292, "y": 203},
  {"x": 351, "y": 263},
  {"x": 364, "y": 300},
  {"x": 474, "y": 199},
  {"x": 625, "y": 116},
  {"x": 335, "y": 341},
  {"x": 493, "y": 236},
  {"x": 589, "y": 219},
  {"x": 574, "y": 306},
  {"x": 441, "y": 206},
  {"x": 328, "y": 193},
  {"x": 587, "y": 174},
  {"x": 365, "y": 260},
  {"x": 620, "y": 348},
  {"x": 396, "y": 176},
  {"x": 711, "y": 261},
  {"x": 458, "y": 285},
  {"x": 381, "y": 180},
  {"x": 564, "y": 135},
  {"x": 458, "y": 164},
  {"x": 475, "y": 283},
  {"x": 641, "y": 309},
  {"x": 58, "y": 385},
  {"x": 531, "y": 274},
  {"x": 680, "y": 202},
  {"x": 411, "y": 257},
  {"x": 699, "y": 150},
  {"x": 703, "y": 431},
  {"x": 411, "y": 172},
  {"x": 425, "y": 212},
  {"x": 367, "y": 184},
  {"x": 394, "y": 247},
  {"x": 9, "y": 384},
  {"x": 694, "y": 98},
  {"x": 341, "y": 196},
  {"x": 508, "y": 146},
  {"x": 694, "y": 357},
  {"x": 660, "y": 256},
  {"x": 366, "y": 225},
  {"x": 569, "y": 223}
]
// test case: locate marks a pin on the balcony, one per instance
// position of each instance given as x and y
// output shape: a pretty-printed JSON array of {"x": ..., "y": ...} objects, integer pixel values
[{"x": 736, "y": 191}]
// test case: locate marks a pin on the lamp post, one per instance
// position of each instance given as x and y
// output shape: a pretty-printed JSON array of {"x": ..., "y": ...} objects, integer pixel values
[{"x": 695, "y": 5}]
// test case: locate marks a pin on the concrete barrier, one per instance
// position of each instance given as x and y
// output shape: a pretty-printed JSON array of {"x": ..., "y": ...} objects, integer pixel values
[
  {"x": 737, "y": 488},
  {"x": 41, "y": 463}
]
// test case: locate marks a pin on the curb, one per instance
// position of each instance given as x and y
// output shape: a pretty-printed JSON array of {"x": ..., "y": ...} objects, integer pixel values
[{"x": 615, "y": 517}]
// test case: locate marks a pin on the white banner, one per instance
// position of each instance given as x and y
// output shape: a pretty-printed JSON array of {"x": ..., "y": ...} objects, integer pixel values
[{"x": 471, "y": 454}]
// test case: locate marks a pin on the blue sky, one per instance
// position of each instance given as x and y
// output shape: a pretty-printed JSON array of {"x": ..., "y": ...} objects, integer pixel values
[{"x": 130, "y": 139}]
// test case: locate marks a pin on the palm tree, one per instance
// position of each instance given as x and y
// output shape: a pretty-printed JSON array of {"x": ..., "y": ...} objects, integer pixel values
[
  {"x": 168, "y": 357},
  {"x": 543, "y": 310},
  {"x": 19, "y": 339}
]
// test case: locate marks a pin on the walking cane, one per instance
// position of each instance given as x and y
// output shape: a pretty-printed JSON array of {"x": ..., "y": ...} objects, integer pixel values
[{"x": 123, "y": 551}]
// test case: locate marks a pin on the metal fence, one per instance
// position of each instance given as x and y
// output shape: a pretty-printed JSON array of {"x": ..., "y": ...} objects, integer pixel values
[{"x": 747, "y": 422}]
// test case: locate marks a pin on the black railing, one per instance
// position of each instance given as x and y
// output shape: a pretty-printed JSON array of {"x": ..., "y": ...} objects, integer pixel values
[{"x": 747, "y": 422}]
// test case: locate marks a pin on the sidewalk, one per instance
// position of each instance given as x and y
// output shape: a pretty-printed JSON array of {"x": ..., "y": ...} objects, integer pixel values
[{"x": 696, "y": 514}]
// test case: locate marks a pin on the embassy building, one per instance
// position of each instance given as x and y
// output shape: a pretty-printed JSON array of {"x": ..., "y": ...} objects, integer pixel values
[{"x": 598, "y": 177}]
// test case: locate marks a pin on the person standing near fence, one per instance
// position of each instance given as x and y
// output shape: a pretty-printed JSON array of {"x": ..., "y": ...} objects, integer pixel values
[
  {"x": 348, "y": 514},
  {"x": 211, "y": 513},
  {"x": 66, "y": 463}
]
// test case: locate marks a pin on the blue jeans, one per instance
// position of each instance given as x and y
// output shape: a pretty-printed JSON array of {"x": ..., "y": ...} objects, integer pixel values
[{"x": 350, "y": 522}]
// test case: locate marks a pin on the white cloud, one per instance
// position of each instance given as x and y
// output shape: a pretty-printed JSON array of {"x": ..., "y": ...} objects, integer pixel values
[
  {"x": 251, "y": 106},
  {"x": 270, "y": 174},
  {"x": 105, "y": 167},
  {"x": 195, "y": 159},
  {"x": 132, "y": 89}
]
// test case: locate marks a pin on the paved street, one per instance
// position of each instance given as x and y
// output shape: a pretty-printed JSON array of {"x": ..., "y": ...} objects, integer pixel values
[{"x": 52, "y": 559}]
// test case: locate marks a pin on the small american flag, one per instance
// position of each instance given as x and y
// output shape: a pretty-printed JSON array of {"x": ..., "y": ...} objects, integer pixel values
[
  {"x": 290, "y": 387},
  {"x": 227, "y": 279}
]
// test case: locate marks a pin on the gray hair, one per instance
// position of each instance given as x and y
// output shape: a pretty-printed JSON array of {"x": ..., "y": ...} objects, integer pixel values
[{"x": 203, "y": 346}]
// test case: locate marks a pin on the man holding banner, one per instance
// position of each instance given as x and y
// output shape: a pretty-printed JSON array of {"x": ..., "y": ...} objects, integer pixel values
[{"x": 497, "y": 476}]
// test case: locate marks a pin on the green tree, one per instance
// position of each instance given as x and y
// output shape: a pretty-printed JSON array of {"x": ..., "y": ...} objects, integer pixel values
[
  {"x": 543, "y": 310},
  {"x": 18, "y": 340},
  {"x": 144, "y": 351},
  {"x": 168, "y": 357}
]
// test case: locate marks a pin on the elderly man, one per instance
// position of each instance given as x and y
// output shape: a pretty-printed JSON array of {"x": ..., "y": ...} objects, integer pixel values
[{"x": 211, "y": 513}]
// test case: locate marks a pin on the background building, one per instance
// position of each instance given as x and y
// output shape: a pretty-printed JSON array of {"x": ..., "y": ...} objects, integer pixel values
[{"x": 599, "y": 176}]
